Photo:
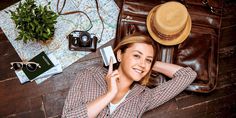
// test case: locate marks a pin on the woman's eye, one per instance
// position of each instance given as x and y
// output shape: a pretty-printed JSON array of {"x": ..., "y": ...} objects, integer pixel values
[
  {"x": 149, "y": 60},
  {"x": 136, "y": 56}
]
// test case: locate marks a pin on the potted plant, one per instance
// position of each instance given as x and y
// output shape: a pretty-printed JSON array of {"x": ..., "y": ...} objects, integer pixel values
[{"x": 34, "y": 23}]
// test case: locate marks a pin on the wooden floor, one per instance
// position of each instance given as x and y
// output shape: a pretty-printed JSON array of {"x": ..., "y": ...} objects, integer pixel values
[{"x": 47, "y": 99}]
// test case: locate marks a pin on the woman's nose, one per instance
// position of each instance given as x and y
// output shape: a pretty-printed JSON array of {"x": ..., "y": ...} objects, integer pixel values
[{"x": 142, "y": 63}]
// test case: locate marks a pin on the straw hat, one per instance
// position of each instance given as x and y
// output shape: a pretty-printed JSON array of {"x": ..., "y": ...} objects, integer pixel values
[{"x": 169, "y": 23}]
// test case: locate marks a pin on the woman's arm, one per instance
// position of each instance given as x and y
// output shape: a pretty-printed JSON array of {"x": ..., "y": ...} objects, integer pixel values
[
  {"x": 74, "y": 104},
  {"x": 96, "y": 106},
  {"x": 181, "y": 78},
  {"x": 166, "y": 68}
]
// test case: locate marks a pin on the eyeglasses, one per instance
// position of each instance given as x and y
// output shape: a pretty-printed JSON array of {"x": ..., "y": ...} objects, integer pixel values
[{"x": 30, "y": 66}]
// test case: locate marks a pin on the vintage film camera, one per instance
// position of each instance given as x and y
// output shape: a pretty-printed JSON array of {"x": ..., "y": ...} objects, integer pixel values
[{"x": 82, "y": 41}]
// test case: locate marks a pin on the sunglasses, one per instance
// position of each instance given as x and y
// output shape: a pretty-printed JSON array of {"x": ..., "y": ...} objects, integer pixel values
[{"x": 30, "y": 66}]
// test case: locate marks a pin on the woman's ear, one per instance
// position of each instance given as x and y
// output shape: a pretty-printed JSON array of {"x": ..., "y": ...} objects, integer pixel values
[{"x": 118, "y": 55}]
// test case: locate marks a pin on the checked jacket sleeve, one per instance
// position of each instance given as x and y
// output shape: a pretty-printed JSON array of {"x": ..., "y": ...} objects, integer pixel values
[
  {"x": 74, "y": 106},
  {"x": 166, "y": 91}
]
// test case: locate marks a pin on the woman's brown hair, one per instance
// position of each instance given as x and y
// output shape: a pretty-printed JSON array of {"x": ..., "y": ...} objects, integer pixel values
[{"x": 128, "y": 41}]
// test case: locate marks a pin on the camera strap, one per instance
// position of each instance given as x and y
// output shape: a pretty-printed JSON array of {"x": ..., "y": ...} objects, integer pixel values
[
  {"x": 74, "y": 12},
  {"x": 97, "y": 7}
]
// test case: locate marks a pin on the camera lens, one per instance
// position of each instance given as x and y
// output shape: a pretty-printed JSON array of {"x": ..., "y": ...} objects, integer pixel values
[{"x": 84, "y": 38}]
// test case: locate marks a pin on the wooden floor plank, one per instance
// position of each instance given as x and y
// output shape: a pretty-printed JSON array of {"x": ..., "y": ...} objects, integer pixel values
[{"x": 8, "y": 55}]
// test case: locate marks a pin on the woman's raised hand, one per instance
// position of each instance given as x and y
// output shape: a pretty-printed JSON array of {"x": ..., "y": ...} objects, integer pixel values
[
  {"x": 112, "y": 78},
  {"x": 96, "y": 106}
]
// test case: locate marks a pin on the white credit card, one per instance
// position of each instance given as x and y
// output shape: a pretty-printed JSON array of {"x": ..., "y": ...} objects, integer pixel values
[{"x": 108, "y": 53}]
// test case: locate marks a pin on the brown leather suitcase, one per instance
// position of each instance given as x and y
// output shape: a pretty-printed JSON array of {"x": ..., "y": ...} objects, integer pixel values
[{"x": 199, "y": 51}]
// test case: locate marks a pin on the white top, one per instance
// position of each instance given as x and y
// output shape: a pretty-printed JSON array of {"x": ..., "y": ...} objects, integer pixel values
[{"x": 113, "y": 107}]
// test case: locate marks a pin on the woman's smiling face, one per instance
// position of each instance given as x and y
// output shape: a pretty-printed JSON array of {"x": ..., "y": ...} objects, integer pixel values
[{"x": 136, "y": 61}]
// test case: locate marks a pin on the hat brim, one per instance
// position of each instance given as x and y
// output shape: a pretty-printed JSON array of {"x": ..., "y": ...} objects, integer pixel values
[{"x": 175, "y": 41}]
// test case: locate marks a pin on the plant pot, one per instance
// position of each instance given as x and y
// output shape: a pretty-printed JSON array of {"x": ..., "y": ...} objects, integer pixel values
[{"x": 46, "y": 42}]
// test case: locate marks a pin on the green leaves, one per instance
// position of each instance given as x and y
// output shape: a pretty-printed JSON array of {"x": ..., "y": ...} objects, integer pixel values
[{"x": 33, "y": 22}]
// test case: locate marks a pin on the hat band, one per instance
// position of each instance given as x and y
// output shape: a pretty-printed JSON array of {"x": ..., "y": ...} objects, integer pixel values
[{"x": 164, "y": 36}]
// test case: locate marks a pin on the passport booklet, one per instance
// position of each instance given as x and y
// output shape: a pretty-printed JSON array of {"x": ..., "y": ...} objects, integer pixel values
[{"x": 45, "y": 64}]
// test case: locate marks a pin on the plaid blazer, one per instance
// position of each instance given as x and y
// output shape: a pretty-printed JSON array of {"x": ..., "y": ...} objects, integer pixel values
[{"x": 90, "y": 84}]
